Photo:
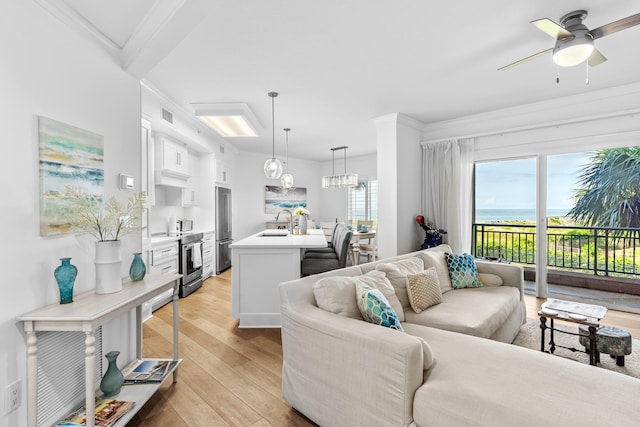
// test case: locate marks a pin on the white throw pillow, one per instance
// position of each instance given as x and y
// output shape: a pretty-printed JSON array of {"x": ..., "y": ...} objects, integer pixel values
[
  {"x": 397, "y": 273},
  {"x": 489, "y": 279},
  {"x": 427, "y": 353},
  {"x": 335, "y": 293}
]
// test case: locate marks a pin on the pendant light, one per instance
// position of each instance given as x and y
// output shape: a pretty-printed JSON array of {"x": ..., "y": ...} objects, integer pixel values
[
  {"x": 345, "y": 180},
  {"x": 273, "y": 166},
  {"x": 287, "y": 178}
]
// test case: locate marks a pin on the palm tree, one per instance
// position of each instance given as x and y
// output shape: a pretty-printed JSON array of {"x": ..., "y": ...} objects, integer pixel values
[{"x": 610, "y": 193}]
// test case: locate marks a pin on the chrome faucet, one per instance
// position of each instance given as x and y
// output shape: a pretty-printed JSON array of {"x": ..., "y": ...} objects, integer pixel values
[{"x": 290, "y": 218}]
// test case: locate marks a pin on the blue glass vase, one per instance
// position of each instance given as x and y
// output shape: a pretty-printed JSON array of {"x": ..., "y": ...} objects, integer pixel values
[
  {"x": 65, "y": 275},
  {"x": 137, "y": 269},
  {"x": 113, "y": 379}
]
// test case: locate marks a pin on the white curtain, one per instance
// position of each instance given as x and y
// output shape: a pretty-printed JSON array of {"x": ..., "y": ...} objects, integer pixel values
[{"x": 447, "y": 168}]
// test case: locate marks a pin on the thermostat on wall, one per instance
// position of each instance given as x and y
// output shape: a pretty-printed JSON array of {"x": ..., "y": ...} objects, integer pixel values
[{"x": 126, "y": 182}]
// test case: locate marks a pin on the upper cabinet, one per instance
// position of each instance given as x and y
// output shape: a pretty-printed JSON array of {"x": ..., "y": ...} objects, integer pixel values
[
  {"x": 191, "y": 193},
  {"x": 172, "y": 163},
  {"x": 222, "y": 172}
]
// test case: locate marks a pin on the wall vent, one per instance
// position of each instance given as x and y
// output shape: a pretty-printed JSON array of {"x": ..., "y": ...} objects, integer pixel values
[
  {"x": 167, "y": 116},
  {"x": 61, "y": 373}
]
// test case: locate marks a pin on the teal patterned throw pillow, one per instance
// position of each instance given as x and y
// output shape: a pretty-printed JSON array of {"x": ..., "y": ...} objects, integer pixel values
[
  {"x": 375, "y": 308},
  {"x": 462, "y": 271}
]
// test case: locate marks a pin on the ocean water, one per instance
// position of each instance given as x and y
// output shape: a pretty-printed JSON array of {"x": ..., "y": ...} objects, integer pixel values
[{"x": 494, "y": 215}]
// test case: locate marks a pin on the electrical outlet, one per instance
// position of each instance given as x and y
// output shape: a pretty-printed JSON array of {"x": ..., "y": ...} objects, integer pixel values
[{"x": 12, "y": 397}]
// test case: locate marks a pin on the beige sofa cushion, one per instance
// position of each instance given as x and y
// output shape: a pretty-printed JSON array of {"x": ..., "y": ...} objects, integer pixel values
[
  {"x": 435, "y": 258},
  {"x": 471, "y": 311},
  {"x": 478, "y": 382},
  {"x": 423, "y": 289},
  {"x": 337, "y": 294},
  {"x": 397, "y": 273}
]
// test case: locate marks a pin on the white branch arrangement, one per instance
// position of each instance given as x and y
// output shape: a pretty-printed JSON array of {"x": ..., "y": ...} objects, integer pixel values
[{"x": 106, "y": 221}]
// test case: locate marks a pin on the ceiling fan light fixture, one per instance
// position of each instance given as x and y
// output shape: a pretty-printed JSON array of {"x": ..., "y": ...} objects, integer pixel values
[{"x": 568, "y": 53}]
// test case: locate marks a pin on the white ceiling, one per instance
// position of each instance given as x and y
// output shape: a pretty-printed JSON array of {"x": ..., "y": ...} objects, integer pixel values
[{"x": 338, "y": 64}]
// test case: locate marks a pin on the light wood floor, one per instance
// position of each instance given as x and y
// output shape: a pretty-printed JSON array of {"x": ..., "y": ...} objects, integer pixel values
[{"x": 231, "y": 376}]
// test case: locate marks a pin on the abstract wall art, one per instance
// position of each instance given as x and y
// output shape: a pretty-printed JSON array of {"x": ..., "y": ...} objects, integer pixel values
[
  {"x": 69, "y": 156},
  {"x": 275, "y": 198}
]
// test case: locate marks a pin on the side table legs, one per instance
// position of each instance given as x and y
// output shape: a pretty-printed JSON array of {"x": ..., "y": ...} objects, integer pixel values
[
  {"x": 543, "y": 327},
  {"x": 594, "y": 355}
]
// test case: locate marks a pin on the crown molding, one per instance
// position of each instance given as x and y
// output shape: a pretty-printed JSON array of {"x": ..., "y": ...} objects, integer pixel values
[{"x": 588, "y": 106}]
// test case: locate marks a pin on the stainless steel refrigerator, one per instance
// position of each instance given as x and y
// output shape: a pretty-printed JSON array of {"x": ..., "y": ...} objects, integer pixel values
[{"x": 223, "y": 229}]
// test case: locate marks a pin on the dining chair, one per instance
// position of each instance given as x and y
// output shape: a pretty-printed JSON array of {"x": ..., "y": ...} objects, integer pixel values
[{"x": 369, "y": 249}]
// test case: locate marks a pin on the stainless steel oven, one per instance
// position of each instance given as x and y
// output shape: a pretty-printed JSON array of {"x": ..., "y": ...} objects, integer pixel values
[{"x": 190, "y": 263}]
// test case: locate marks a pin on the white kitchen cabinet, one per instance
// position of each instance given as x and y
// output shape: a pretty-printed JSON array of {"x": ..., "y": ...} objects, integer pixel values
[
  {"x": 164, "y": 260},
  {"x": 191, "y": 193},
  {"x": 222, "y": 172},
  {"x": 208, "y": 254},
  {"x": 172, "y": 163}
]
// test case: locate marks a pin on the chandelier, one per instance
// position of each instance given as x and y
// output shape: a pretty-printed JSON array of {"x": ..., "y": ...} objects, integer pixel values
[
  {"x": 287, "y": 178},
  {"x": 273, "y": 166},
  {"x": 345, "y": 180}
]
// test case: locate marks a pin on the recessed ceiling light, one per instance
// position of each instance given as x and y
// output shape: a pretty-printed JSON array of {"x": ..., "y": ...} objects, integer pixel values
[{"x": 231, "y": 120}]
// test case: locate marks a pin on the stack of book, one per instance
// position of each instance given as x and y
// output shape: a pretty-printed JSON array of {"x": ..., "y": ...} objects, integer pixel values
[{"x": 107, "y": 412}]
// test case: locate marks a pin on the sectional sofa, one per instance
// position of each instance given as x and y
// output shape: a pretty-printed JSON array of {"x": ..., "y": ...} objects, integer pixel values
[{"x": 452, "y": 365}]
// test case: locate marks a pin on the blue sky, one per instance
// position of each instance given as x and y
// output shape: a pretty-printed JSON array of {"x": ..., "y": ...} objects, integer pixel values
[{"x": 511, "y": 184}]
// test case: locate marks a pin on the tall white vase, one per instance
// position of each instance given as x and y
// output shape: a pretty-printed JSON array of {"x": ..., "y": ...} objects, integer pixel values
[
  {"x": 108, "y": 264},
  {"x": 302, "y": 223}
]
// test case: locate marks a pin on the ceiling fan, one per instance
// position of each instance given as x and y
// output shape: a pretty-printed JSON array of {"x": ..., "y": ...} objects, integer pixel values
[{"x": 574, "y": 41}]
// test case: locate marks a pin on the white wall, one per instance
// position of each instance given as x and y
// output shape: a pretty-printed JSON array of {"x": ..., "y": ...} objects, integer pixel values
[
  {"x": 399, "y": 187},
  {"x": 47, "y": 70},
  {"x": 248, "y": 191}
]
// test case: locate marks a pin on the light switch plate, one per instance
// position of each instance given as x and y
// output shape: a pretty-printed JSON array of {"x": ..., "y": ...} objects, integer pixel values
[{"x": 126, "y": 182}]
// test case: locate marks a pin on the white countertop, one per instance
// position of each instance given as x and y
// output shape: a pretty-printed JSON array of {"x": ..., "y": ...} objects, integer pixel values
[
  {"x": 313, "y": 239},
  {"x": 156, "y": 240},
  {"x": 163, "y": 238}
]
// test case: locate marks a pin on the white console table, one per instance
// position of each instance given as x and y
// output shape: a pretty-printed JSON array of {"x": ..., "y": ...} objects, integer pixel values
[{"x": 86, "y": 313}]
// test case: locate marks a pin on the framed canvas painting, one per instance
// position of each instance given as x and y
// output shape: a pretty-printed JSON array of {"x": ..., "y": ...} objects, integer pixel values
[
  {"x": 69, "y": 156},
  {"x": 275, "y": 199}
]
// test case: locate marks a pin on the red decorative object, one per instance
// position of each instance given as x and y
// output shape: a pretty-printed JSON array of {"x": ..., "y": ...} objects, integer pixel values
[{"x": 433, "y": 236}]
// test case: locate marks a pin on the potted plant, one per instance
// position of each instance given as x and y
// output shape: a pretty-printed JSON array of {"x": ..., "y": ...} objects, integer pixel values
[{"x": 106, "y": 221}]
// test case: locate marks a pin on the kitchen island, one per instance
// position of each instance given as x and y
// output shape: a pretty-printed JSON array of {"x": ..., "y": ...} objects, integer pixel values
[{"x": 260, "y": 263}]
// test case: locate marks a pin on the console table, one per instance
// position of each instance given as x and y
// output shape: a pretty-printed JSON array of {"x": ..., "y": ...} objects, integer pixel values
[{"x": 86, "y": 313}]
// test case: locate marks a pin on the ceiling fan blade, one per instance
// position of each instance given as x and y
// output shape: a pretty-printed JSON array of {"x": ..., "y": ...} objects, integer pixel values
[
  {"x": 596, "y": 58},
  {"x": 528, "y": 58},
  {"x": 614, "y": 27},
  {"x": 551, "y": 28}
]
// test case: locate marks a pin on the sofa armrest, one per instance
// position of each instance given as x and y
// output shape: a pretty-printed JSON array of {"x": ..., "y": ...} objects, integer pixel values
[
  {"x": 340, "y": 371},
  {"x": 511, "y": 274}
]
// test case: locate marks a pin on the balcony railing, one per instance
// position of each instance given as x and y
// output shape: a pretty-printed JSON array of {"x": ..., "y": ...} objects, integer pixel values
[{"x": 596, "y": 250}]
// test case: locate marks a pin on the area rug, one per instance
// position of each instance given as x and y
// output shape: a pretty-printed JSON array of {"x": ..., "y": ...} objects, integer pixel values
[{"x": 529, "y": 337}]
